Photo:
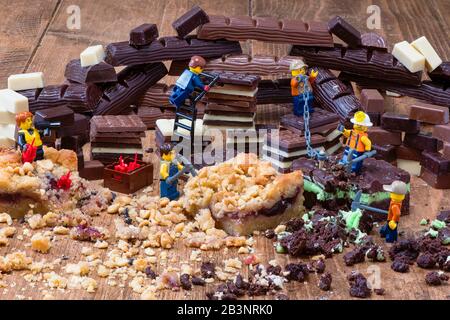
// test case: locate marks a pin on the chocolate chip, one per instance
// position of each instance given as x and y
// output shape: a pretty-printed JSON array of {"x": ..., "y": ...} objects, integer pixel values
[
  {"x": 325, "y": 281},
  {"x": 197, "y": 281},
  {"x": 208, "y": 270},
  {"x": 358, "y": 285},
  {"x": 150, "y": 273},
  {"x": 185, "y": 281}
]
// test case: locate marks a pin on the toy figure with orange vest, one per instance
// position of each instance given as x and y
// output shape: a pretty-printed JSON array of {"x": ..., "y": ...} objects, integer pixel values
[
  {"x": 397, "y": 190},
  {"x": 301, "y": 90},
  {"x": 357, "y": 142}
]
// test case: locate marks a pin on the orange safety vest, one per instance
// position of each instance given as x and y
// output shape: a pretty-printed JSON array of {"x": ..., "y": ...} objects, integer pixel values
[
  {"x": 394, "y": 211},
  {"x": 354, "y": 141}
]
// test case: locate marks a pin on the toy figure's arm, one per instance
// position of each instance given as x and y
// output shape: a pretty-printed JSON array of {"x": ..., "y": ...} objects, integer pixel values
[
  {"x": 294, "y": 82},
  {"x": 180, "y": 166},
  {"x": 367, "y": 143},
  {"x": 164, "y": 171},
  {"x": 395, "y": 217},
  {"x": 198, "y": 83},
  {"x": 21, "y": 140},
  {"x": 313, "y": 76},
  {"x": 346, "y": 133}
]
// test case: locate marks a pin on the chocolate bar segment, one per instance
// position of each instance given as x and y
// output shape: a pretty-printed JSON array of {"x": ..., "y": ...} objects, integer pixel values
[
  {"x": 61, "y": 114},
  {"x": 408, "y": 153},
  {"x": 74, "y": 143},
  {"x": 318, "y": 119},
  {"x": 168, "y": 48},
  {"x": 385, "y": 152},
  {"x": 441, "y": 181},
  {"x": 189, "y": 21},
  {"x": 435, "y": 162},
  {"x": 361, "y": 61},
  {"x": 93, "y": 170},
  {"x": 333, "y": 95},
  {"x": 442, "y": 132},
  {"x": 144, "y": 34},
  {"x": 345, "y": 31},
  {"x": 80, "y": 126},
  {"x": 119, "y": 124},
  {"x": 383, "y": 137},
  {"x": 422, "y": 141},
  {"x": 239, "y": 79},
  {"x": 446, "y": 150},
  {"x": 373, "y": 41},
  {"x": 429, "y": 113},
  {"x": 434, "y": 93},
  {"x": 98, "y": 73},
  {"x": 398, "y": 122},
  {"x": 289, "y": 141},
  {"x": 133, "y": 82},
  {"x": 372, "y": 101},
  {"x": 268, "y": 29},
  {"x": 441, "y": 74}
]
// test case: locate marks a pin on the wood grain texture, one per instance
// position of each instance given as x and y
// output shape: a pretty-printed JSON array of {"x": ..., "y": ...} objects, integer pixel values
[{"x": 105, "y": 21}]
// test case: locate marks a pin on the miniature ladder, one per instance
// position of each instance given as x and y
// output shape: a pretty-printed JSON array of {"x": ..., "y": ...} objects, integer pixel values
[
  {"x": 189, "y": 113},
  {"x": 311, "y": 152}
]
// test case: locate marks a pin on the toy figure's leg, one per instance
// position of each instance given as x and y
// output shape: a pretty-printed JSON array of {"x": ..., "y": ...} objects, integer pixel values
[
  {"x": 39, "y": 153},
  {"x": 310, "y": 102},
  {"x": 356, "y": 166},
  {"x": 298, "y": 106},
  {"x": 163, "y": 189},
  {"x": 178, "y": 96},
  {"x": 383, "y": 230},
  {"x": 344, "y": 156},
  {"x": 391, "y": 235}
]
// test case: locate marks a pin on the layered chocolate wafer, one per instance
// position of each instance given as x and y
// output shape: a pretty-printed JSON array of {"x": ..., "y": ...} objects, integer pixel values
[
  {"x": 268, "y": 29},
  {"x": 156, "y": 96},
  {"x": 117, "y": 124},
  {"x": 168, "y": 48}
]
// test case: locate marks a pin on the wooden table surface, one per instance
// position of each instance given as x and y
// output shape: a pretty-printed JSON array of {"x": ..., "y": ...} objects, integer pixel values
[{"x": 34, "y": 37}]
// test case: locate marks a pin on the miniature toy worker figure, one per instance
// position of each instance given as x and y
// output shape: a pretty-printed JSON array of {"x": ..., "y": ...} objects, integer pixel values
[
  {"x": 358, "y": 141},
  {"x": 28, "y": 136},
  {"x": 188, "y": 82},
  {"x": 301, "y": 87},
  {"x": 397, "y": 191},
  {"x": 168, "y": 168}
]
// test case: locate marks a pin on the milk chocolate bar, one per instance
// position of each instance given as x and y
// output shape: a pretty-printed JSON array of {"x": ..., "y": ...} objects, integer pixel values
[
  {"x": 98, "y": 73},
  {"x": 189, "y": 21},
  {"x": 383, "y": 137},
  {"x": 168, "y": 48},
  {"x": 261, "y": 65},
  {"x": 144, "y": 34},
  {"x": 269, "y": 29},
  {"x": 373, "y": 41},
  {"x": 442, "y": 132},
  {"x": 212, "y": 107},
  {"x": 133, "y": 82},
  {"x": 435, "y": 162},
  {"x": 345, "y": 31},
  {"x": 429, "y": 113},
  {"x": 408, "y": 153},
  {"x": 375, "y": 118},
  {"x": 134, "y": 141},
  {"x": 224, "y": 96},
  {"x": 446, "y": 150},
  {"x": 61, "y": 114},
  {"x": 372, "y": 101},
  {"x": 434, "y": 93},
  {"x": 441, "y": 181},
  {"x": 360, "y": 61},
  {"x": 441, "y": 74},
  {"x": 274, "y": 91},
  {"x": 334, "y": 95},
  {"x": 290, "y": 141},
  {"x": 398, "y": 122},
  {"x": 422, "y": 141},
  {"x": 117, "y": 144}
]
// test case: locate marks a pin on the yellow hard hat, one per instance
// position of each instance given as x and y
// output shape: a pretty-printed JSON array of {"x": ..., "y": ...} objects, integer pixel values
[{"x": 362, "y": 119}]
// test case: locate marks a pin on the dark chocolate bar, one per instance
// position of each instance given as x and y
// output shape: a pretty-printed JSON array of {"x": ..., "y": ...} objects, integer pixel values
[
  {"x": 92, "y": 170},
  {"x": 133, "y": 82},
  {"x": 385, "y": 152},
  {"x": 434, "y": 93},
  {"x": 269, "y": 29},
  {"x": 383, "y": 137},
  {"x": 318, "y": 118},
  {"x": 408, "y": 153},
  {"x": 398, "y": 122},
  {"x": 149, "y": 115},
  {"x": 117, "y": 124},
  {"x": 372, "y": 100},
  {"x": 189, "y": 21},
  {"x": 118, "y": 144},
  {"x": 274, "y": 91},
  {"x": 224, "y": 96},
  {"x": 435, "y": 162},
  {"x": 441, "y": 181},
  {"x": 345, "y": 31},
  {"x": 333, "y": 95},
  {"x": 61, "y": 114},
  {"x": 144, "y": 34},
  {"x": 80, "y": 126},
  {"x": 98, "y": 73},
  {"x": 156, "y": 96},
  {"x": 231, "y": 103},
  {"x": 429, "y": 113},
  {"x": 361, "y": 61},
  {"x": 212, "y": 107},
  {"x": 291, "y": 141},
  {"x": 375, "y": 118},
  {"x": 239, "y": 79},
  {"x": 74, "y": 143},
  {"x": 441, "y": 74},
  {"x": 168, "y": 48},
  {"x": 373, "y": 41},
  {"x": 446, "y": 150}
]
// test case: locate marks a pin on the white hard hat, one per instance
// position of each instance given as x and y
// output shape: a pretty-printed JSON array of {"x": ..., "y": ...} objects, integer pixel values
[
  {"x": 297, "y": 64},
  {"x": 361, "y": 119},
  {"x": 397, "y": 187}
]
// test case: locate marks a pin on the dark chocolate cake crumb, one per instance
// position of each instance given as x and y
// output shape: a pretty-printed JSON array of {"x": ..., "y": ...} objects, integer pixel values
[
  {"x": 150, "y": 273},
  {"x": 358, "y": 285},
  {"x": 400, "y": 265},
  {"x": 297, "y": 272},
  {"x": 281, "y": 296},
  {"x": 407, "y": 250},
  {"x": 325, "y": 281},
  {"x": 185, "y": 281},
  {"x": 379, "y": 291},
  {"x": 434, "y": 278},
  {"x": 320, "y": 266},
  {"x": 197, "y": 281},
  {"x": 355, "y": 256},
  {"x": 208, "y": 270},
  {"x": 269, "y": 234},
  {"x": 426, "y": 261}
]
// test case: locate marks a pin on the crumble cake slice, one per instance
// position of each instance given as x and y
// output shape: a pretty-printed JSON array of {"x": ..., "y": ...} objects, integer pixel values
[{"x": 245, "y": 194}]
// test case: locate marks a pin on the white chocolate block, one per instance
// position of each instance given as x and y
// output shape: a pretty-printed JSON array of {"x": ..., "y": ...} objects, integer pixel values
[
  {"x": 410, "y": 166},
  {"x": 12, "y": 101},
  {"x": 117, "y": 150},
  {"x": 432, "y": 60},
  {"x": 231, "y": 117},
  {"x": 412, "y": 59},
  {"x": 92, "y": 55},
  {"x": 25, "y": 81},
  {"x": 8, "y": 131},
  {"x": 165, "y": 126},
  {"x": 7, "y": 117}
]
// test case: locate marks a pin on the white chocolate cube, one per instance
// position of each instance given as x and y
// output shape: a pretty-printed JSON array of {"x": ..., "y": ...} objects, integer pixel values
[
  {"x": 8, "y": 131},
  {"x": 432, "y": 60},
  {"x": 12, "y": 101},
  {"x": 412, "y": 59},
  {"x": 25, "y": 81},
  {"x": 92, "y": 55},
  {"x": 7, "y": 117}
]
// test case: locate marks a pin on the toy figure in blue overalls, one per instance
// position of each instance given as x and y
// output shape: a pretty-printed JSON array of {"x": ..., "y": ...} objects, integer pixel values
[
  {"x": 168, "y": 168},
  {"x": 188, "y": 82},
  {"x": 301, "y": 87}
]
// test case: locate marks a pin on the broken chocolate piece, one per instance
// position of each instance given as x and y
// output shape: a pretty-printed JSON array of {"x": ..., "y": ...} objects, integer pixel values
[
  {"x": 441, "y": 74},
  {"x": 442, "y": 132},
  {"x": 385, "y": 152},
  {"x": 189, "y": 21},
  {"x": 397, "y": 122},
  {"x": 80, "y": 126},
  {"x": 429, "y": 113},
  {"x": 274, "y": 92},
  {"x": 437, "y": 181},
  {"x": 144, "y": 34},
  {"x": 325, "y": 281},
  {"x": 358, "y": 285},
  {"x": 383, "y": 137},
  {"x": 372, "y": 101},
  {"x": 98, "y": 73},
  {"x": 345, "y": 31},
  {"x": 373, "y": 41},
  {"x": 61, "y": 114},
  {"x": 435, "y": 278},
  {"x": 92, "y": 170},
  {"x": 422, "y": 141},
  {"x": 435, "y": 162},
  {"x": 407, "y": 153}
]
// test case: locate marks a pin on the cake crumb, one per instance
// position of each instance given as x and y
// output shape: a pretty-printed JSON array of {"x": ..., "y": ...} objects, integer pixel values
[{"x": 40, "y": 243}]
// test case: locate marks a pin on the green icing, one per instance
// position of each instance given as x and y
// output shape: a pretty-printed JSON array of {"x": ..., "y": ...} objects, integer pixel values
[
  {"x": 438, "y": 224},
  {"x": 423, "y": 222},
  {"x": 351, "y": 218},
  {"x": 432, "y": 233}
]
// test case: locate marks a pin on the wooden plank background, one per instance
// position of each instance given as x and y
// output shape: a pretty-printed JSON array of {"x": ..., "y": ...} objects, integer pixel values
[{"x": 34, "y": 37}]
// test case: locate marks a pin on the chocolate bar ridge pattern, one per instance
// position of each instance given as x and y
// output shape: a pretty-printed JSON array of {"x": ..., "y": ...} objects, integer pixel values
[
  {"x": 133, "y": 82},
  {"x": 268, "y": 29},
  {"x": 168, "y": 48},
  {"x": 361, "y": 61}
]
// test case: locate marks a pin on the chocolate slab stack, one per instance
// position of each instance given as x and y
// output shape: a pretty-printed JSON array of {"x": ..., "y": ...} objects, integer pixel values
[
  {"x": 232, "y": 105},
  {"x": 113, "y": 136},
  {"x": 290, "y": 145}
]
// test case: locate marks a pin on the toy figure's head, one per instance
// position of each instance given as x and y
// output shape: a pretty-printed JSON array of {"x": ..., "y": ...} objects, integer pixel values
[
  {"x": 397, "y": 190},
  {"x": 197, "y": 64},
  {"x": 24, "y": 120},
  {"x": 361, "y": 121},
  {"x": 297, "y": 68},
  {"x": 166, "y": 151}
]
